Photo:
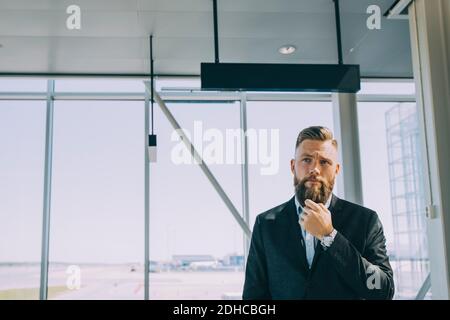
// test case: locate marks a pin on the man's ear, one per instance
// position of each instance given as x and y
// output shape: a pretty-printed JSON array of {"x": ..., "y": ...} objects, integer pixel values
[
  {"x": 338, "y": 168},
  {"x": 293, "y": 166}
]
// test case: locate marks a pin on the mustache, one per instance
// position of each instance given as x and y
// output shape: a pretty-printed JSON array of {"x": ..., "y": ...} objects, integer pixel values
[{"x": 313, "y": 179}]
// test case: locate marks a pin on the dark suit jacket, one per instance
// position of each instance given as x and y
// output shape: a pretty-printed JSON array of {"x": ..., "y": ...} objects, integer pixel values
[{"x": 277, "y": 267}]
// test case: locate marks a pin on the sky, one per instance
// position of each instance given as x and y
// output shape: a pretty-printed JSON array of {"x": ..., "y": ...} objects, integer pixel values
[{"x": 97, "y": 208}]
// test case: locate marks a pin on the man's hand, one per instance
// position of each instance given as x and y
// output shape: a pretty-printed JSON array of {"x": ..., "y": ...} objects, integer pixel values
[{"x": 316, "y": 219}]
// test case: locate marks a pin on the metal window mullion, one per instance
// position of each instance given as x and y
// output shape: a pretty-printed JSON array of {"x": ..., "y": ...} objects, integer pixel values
[
  {"x": 244, "y": 171},
  {"x": 146, "y": 200},
  {"x": 43, "y": 289},
  {"x": 202, "y": 96}
]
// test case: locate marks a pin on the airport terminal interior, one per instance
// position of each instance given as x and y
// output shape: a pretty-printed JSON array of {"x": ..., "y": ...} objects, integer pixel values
[{"x": 140, "y": 139}]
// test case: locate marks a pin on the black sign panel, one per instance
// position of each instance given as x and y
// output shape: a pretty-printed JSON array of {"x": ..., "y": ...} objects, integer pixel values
[{"x": 280, "y": 77}]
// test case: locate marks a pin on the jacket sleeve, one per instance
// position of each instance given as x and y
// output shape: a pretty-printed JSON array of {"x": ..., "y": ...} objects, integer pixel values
[
  {"x": 256, "y": 281},
  {"x": 369, "y": 274}
]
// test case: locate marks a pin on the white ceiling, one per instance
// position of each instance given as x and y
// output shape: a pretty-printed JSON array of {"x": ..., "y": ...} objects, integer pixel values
[{"x": 114, "y": 35}]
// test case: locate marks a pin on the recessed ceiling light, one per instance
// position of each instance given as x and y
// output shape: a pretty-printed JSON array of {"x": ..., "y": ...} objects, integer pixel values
[{"x": 287, "y": 49}]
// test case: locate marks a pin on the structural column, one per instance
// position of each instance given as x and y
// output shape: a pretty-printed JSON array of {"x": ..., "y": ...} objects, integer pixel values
[
  {"x": 346, "y": 132},
  {"x": 429, "y": 22}
]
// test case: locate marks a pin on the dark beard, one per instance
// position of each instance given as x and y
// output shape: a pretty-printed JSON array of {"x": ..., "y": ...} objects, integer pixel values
[{"x": 318, "y": 194}]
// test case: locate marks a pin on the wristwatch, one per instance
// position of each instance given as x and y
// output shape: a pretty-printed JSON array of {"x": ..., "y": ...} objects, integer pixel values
[{"x": 328, "y": 240}]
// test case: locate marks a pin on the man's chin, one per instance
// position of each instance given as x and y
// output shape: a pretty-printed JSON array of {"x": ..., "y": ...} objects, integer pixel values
[{"x": 315, "y": 195}]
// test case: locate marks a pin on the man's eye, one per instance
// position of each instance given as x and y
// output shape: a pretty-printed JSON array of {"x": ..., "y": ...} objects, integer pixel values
[
  {"x": 307, "y": 160},
  {"x": 324, "y": 162}
]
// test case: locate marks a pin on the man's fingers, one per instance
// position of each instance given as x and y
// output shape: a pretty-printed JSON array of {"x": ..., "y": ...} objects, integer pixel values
[
  {"x": 315, "y": 207},
  {"x": 303, "y": 216},
  {"x": 307, "y": 211},
  {"x": 311, "y": 204},
  {"x": 301, "y": 221}
]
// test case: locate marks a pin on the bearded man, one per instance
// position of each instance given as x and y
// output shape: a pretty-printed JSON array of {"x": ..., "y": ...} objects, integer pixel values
[{"x": 317, "y": 246}]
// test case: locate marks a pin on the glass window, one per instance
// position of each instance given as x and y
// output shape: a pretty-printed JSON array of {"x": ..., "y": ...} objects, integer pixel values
[
  {"x": 22, "y": 85},
  {"x": 394, "y": 87},
  {"x": 97, "y": 218},
  {"x": 196, "y": 246},
  {"x": 22, "y": 145},
  {"x": 102, "y": 85},
  {"x": 391, "y": 156},
  {"x": 165, "y": 84}
]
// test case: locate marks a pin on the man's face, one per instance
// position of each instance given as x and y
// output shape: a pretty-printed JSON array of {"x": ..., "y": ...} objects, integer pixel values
[{"x": 314, "y": 168}]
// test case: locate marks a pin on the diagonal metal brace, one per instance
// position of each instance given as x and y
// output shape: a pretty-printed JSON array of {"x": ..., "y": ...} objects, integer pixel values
[{"x": 237, "y": 216}]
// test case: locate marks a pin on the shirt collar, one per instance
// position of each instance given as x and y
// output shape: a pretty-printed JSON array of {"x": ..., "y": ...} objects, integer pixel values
[{"x": 298, "y": 205}]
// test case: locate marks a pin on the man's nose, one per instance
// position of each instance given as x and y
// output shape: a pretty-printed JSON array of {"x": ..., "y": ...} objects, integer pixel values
[{"x": 314, "y": 169}]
